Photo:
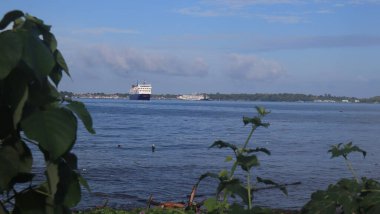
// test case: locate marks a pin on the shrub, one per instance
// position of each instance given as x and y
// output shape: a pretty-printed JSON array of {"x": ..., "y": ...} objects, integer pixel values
[{"x": 33, "y": 113}]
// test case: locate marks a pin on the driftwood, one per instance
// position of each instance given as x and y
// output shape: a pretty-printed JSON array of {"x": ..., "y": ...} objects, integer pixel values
[
  {"x": 182, "y": 205},
  {"x": 192, "y": 205}
]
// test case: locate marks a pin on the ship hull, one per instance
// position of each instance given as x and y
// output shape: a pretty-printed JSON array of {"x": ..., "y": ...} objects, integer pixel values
[{"x": 139, "y": 96}]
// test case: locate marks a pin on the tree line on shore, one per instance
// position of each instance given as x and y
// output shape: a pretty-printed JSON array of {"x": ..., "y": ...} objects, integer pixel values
[{"x": 275, "y": 97}]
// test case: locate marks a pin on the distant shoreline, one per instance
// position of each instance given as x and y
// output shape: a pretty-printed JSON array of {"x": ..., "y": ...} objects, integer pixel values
[{"x": 280, "y": 97}]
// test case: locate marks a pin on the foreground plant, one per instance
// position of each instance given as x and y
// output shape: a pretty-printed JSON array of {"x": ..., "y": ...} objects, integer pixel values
[
  {"x": 245, "y": 158},
  {"x": 347, "y": 195},
  {"x": 33, "y": 114}
]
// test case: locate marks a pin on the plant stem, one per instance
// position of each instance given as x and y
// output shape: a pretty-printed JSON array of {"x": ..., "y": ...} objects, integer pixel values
[
  {"x": 245, "y": 146},
  {"x": 249, "y": 137},
  {"x": 349, "y": 165},
  {"x": 249, "y": 191}
]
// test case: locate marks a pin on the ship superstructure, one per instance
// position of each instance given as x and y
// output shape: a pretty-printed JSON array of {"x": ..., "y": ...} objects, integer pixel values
[{"x": 140, "y": 91}]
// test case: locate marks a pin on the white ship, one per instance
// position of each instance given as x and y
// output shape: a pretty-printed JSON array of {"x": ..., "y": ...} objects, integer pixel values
[
  {"x": 193, "y": 97},
  {"x": 140, "y": 91}
]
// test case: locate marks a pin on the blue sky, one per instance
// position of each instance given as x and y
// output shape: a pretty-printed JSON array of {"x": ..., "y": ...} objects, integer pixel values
[{"x": 226, "y": 46}]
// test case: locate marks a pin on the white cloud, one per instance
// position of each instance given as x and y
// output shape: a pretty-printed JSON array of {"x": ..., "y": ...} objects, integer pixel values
[
  {"x": 196, "y": 11},
  {"x": 282, "y": 19},
  {"x": 250, "y": 67},
  {"x": 299, "y": 43},
  {"x": 245, "y": 3},
  {"x": 127, "y": 60},
  {"x": 105, "y": 30}
]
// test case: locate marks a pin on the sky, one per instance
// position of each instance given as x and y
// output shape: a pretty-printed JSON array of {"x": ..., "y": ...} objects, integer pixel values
[{"x": 216, "y": 46}]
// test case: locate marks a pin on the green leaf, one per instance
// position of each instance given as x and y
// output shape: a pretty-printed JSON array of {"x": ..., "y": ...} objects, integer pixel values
[
  {"x": 205, "y": 175},
  {"x": 80, "y": 110},
  {"x": 37, "y": 56},
  {"x": 211, "y": 204},
  {"x": 25, "y": 156},
  {"x": 68, "y": 188},
  {"x": 270, "y": 182},
  {"x": 11, "y": 46},
  {"x": 56, "y": 75},
  {"x": 10, "y": 17},
  {"x": 261, "y": 111},
  {"x": 228, "y": 159},
  {"x": 53, "y": 129},
  {"x": 221, "y": 144},
  {"x": 223, "y": 174},
  {"x": 84, "y": 183},
  {"x": 73, "y": 194},
  {"x": 345, "y": 193},
  {"x": 345, "y": 149},
  {"x": 258, "y": 149},
  {"x": 71, "y": 160},
  {"x": 44, "y": 93},
  {"x": 50, "y": 41},
  {"x": 30, "y": 202},
  {"x": 208, "y": 174},
  {"x": 255, "y": 121},
  {"x": 23, "y": 177},
  {"x": 9, "y": 166},
  {"x": 247, "y": 162},
  {"x": 234, "y": 187},
  {"x": 61, "y": 62},
  {"x": 3, "y": 209},
  {"x": 52, "y": 178},
  {"x": 19, "y": 107}
]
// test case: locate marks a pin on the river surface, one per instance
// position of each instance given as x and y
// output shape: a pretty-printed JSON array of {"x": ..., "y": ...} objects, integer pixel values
[{"x": 122, "y": 171}]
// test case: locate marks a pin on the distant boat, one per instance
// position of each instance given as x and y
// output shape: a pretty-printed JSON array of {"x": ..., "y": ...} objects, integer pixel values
[
  {"x": 193, "y": 97},
  {"x": 140, "y": 91}
]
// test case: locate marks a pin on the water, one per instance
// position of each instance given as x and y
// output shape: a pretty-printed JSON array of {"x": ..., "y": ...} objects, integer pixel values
[{"x": 299, "y": 137}]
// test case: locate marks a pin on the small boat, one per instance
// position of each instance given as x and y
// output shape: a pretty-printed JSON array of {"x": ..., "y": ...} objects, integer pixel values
[{"x": 193, "y": 97}]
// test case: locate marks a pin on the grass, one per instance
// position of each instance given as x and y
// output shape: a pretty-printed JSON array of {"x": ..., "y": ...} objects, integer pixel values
[{"x": 157, "y": 210}]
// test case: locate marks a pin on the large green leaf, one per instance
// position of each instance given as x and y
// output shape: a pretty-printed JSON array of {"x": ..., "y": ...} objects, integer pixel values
[
  {"x": 81, "y": 111},
  {"x": 53, "y": 129},
  {"x": 9, "y": 166},
  {"x": 73, "y": 194},
  {"x": 10, "y": 17},
  {"x": 37, "y": 56},
  {"x": 18, "y": 108},
  {"x": 11, "y": 46},
  {"x": 25, "y": 155},
  {"x": 68, "y": 188},
  {"x": 44, "y": 93},
  {"x": 30, "y": 202}
]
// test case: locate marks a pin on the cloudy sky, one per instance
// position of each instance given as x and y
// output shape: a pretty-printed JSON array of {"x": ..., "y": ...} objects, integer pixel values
[{"x": 226, "y": 46}]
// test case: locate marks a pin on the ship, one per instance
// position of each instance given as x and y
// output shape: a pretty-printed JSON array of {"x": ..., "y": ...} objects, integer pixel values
[
  {"x": 140, "y": 91},
  {"x": 193, "y": 97}
]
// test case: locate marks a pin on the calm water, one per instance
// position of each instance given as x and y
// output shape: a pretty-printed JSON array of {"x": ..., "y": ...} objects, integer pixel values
[{"x": 299, "y": 137}]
